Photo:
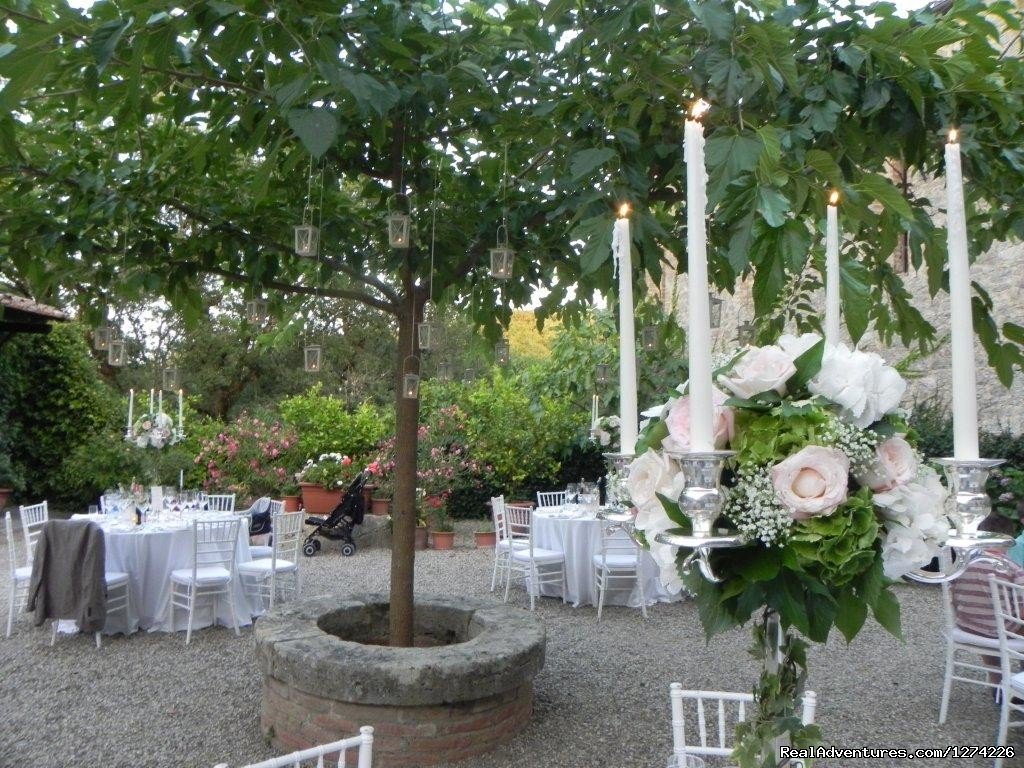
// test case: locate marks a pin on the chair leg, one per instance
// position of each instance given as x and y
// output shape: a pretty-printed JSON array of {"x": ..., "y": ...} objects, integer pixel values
[
  {"x": 947, "y": 683},
  {"x": 234, "y": 614},
  {"x": 640, "y": 584},
  {"x": 191, "y": 612},
  {"x": 53, "y": 634},
  {"x": 600, "y": 593},
  {"x": 1004, "y": 719},
  {"x": 508, "y": 580},
  {"x": 494, "y": 573},
  {"x": 99, "y": 642},
  {"x": 10, "y": 609}
]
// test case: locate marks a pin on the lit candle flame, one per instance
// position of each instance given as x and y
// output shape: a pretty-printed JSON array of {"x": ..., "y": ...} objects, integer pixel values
[
  {"x": 952, "y": 135},
  {"x": 699, "y": 108},
  {"x": 833, "y": 199},
  {"x": 624, "y": 210}
]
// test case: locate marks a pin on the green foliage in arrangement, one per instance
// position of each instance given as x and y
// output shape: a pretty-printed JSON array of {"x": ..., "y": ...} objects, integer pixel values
[{"x": 325, "y": 424}]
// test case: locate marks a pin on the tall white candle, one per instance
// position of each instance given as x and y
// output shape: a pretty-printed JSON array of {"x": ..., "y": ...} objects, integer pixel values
[
  {"x": 180, "y": 413},
  {"x": 832, "y": 277},
  {"x": 181, "y": 479},
  {"x": 965, "y": 400},
  {"x": 131, "y": 405},
  {"x": 593, "y": 414},
  {"x": 160, "y": 402},
  {"x": 628, "y": 410},
  {"x": 699, "y": 325},
  {"x": 152, "y": 399}
]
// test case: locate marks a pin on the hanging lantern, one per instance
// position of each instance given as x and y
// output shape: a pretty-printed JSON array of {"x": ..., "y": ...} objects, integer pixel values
[
  {"x": 100, "y": 337},
  {"x": 255, "y": 311},
  {"x": 502, "y": 256},
  {"x": 715, "y": 310},
  {"x": 745, "y": 333},
  {"x": 170, "y": 377},
  {"x": 649, "y": 338},
  {"x": 468, "y": 376},
  {"x": 410, "y": 379},
  {"x": 399, "y": 224},
  {"x": 445, "y": 371},
  {"x": 427, "y": 335},
  {"x": 312, "y": 358},
  {"x": 307, "y": 240},
  {"x": 115, "y": 352},
  {"x": 501, "y": 354},
  {"x": 601, "y": 373}
]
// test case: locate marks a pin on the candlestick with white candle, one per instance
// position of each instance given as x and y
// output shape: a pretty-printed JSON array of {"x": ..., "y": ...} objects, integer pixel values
[
  {"x": 152, "y": 400},
  {"x": 181, "y": 431},
  {"x": 699, "y": 315},
  {"x": 965, "y": 400},
  {"x": 131, "y": 405},
  {"x": 160, "y": 402},
  {"x": 832, "y": 275},
  {"x": 628, "y": 410},
  {"x": 593, "y": 414}
]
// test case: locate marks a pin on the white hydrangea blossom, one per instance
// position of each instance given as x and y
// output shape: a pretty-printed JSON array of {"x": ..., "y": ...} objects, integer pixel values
[{"x": 915, "y": 522}]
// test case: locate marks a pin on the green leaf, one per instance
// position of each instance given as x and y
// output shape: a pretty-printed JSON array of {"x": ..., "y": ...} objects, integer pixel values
[
  {"x": 826, "y": 165},
  {"x": 852, "y": 613},
  {"x": 715, "y": 17},
  {"x": 762, "y": 565},
  {"x": 773, "y": 206},
  {"x": 807, "y": 366},
  {"x": 855, "y": 293},
  {"x": 369, "y": 92},
  {"x": 104, "y": 42},
  {"x": 884, "y": 191},
  {"x": 584, "y": 162},
  {"x": 317, "y": 129},
  {"x": 886, "y": 610},
  {"x": 474, "y": 70},
  {"x": 287, "y": 94}
]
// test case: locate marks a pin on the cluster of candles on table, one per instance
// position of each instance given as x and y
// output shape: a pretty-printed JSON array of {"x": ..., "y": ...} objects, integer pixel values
[
  {"x": 157, "y": 397},
  {"x": 965, "y": 406}
]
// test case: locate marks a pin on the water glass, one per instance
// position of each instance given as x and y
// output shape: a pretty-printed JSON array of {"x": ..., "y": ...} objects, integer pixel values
[
  {"x": 93, "y": 509},
  {"x": 572, "y": 493}
]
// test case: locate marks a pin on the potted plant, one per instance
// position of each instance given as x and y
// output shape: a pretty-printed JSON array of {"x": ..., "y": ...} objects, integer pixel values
[
  {"x": 442, "y": 531},
  {"x": 420, "y": 542},
  {"x": 291, "y": 494},
  {"x": 380, "y": 501},
  {"x": 11, "y": 479},
  {"x": 325, "y": 480},
  {"x": 486, "y": 537}
]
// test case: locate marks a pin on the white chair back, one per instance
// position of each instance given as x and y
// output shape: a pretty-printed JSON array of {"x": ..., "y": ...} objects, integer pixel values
[
  {"x": 616, "y": 544},
  {"x": 214, "y": 543},
  {"x": 336, "y": 751},
  {"x": 12, "y": 558},
  {"x": 220, "y": 502},
  {"x": 276, "y": 508},
  {"x": 519, "y": 527},
  {"x": 33, "y": 518},
  {"x": 716, "y": 714},
  {"x": 498, "y": 517},
  {"x": 550, "y": 498},
  {"x": 1008, "y": 607},
  {"x": 287, "y": 527}
]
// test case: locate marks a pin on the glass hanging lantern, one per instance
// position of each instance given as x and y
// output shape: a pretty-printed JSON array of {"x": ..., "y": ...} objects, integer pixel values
[
  {"x": 601, "y": 375},
  {"x": 445, "y": 370},
  {"x": 715, "y": 310},
  {"x": 170, "y": 378},
  {"x": 399, "y": 226},
  {"x": 255, "y": 311},
  {"x": 745, "y": 333},
  {"x": 312, "y": 358},
  {"x": 502, "y": 256},
  {"x": 115, "y": 352},
  {"x": 469, "y": 376},
  {"x": 101, "y": 337},
  {"x": 649, "y": 338},
  {"x": 410, "y": 379},
  {"x": 427, "y": 330},
  {"x": 307, "y": 236},
  {"x": 502, "y": 352}
]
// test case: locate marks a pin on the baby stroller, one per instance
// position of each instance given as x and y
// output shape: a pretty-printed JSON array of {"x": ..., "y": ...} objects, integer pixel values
[{"x": 338, "y": 525}]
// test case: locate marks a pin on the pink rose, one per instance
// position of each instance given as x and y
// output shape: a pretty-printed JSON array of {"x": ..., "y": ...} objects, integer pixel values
[
  {"x": 895, "y": 464},
  {"x": 761, "y": 369},
  {"x": 678, "y": 423},
  {"x": 812, "y": 481}
]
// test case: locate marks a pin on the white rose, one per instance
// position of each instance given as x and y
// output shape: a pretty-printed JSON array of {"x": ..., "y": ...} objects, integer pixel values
[
  {"x": 860, "y": 383},
  {"x": 794, "y": 346},
  {"x": 648, "y": 474},
  {"x": 895, "y": 463},
  {"x": 759, "y": 370}
]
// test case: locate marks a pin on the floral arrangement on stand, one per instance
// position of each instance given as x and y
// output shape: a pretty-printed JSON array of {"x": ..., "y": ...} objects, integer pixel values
[
  {"x": 605, "y": 430},
  {"x": 330, "y": 470},
  {"x": 828, "y": 495},
  {"x": 154, "y": 429}
]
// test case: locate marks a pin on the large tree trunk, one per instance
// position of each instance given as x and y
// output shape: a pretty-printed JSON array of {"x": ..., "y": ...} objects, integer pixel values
[{"x": 403, "y": 513}]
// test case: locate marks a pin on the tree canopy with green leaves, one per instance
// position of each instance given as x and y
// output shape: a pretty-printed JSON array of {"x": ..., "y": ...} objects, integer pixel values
[{"x": 151, "y": 148}]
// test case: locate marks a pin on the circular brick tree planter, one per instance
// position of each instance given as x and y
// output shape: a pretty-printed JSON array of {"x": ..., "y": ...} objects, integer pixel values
[{"x": 468, "y": 690}]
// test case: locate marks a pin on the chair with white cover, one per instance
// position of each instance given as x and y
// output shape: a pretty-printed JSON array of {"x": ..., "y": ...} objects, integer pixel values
[
  {"x": 1008, "y": 607},
  {"x": 220, "y": 502},
  {"x": 18, "y": 577},
  {"x": 550, "y": 499},
  {"x": 262, "y": 576},
  {"x": 970, "y": 656},
  {"x": 214, "y": 543},
  {"x": 535, "y": 565},
  {"x": 618, "y": 562},
  {"x": 336, "y": 751},
  {"x": 716, "y": 714},
  {"x": 33, "y": 518}
]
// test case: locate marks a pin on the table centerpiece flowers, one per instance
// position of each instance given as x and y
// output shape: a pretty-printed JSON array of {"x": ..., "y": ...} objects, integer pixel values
[
  {"x": 154, "y": 429},
  {"x": 827, "y": 494}
]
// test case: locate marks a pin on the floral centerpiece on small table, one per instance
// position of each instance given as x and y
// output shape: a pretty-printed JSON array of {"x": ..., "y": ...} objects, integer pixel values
[{"x": 828, "y": 494}]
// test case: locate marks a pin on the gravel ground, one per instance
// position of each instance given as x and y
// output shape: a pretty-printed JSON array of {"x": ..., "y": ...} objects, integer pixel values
[{"x": 602, "y": 699}]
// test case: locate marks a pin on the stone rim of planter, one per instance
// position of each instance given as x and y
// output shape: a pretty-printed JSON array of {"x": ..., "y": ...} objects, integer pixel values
[{"x": 504, "y": 647}]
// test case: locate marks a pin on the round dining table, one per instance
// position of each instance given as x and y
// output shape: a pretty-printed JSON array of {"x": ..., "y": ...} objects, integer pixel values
[
  {"x": 148, "y": 553},
  {"x": 576, "y": 531}
]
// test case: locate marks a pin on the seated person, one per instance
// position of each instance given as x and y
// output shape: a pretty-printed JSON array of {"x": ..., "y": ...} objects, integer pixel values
[{"x": 971, "y": 595}]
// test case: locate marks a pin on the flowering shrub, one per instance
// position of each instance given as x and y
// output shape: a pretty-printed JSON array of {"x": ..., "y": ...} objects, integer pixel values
[
  {"x": 382, "y": 468},
  {"x": 331, "y": 470},
  {"x": 250, "y": 456},
  {"x": 1006, "y": 488}
]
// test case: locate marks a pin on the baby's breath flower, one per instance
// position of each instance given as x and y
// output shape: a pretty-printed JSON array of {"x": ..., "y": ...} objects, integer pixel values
[{"x": 752, "y": 506}]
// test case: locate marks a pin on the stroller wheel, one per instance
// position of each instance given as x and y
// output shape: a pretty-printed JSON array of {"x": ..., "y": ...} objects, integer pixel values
[
  {"x": 316, "y": 544},
  {"x": 310, "y": 547},
  {"x": 348, "y": 549}
]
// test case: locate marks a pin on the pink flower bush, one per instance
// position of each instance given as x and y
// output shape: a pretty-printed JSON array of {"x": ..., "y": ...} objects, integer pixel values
[
  {"x": 812, "y": 481},
  {"x": 249, "y": 456}
]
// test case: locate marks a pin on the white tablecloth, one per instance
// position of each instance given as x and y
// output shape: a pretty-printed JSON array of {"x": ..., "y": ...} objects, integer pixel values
[
  {"x": 148, "y": 553},
  {"x": 578, "y": 534}
]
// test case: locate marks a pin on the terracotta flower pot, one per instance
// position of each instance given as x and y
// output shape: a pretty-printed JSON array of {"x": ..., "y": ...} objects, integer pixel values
[
  {"x": 485, "y": 539},
  {"x": 291, "y": 503},
  {"x": 420, "y": 541},
  {"x": 319, "y": 500},
  {"x": 442, "y": 539},
  {"x": 5, "y": 494},
  {"x": 380, "y": 507}
]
